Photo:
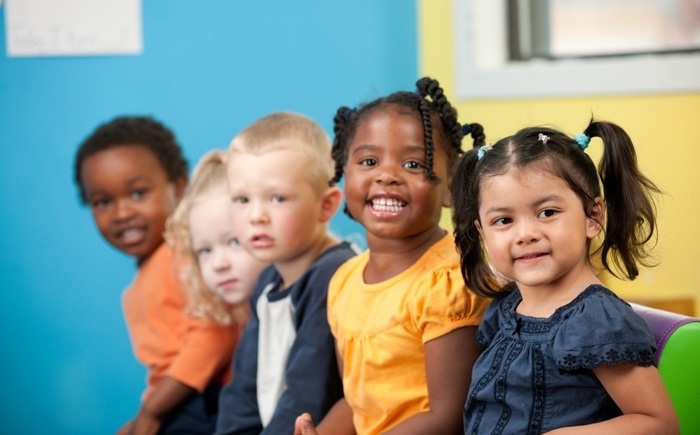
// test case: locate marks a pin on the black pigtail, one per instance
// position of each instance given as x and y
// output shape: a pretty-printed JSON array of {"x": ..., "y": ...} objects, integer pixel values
[
  {"x": 449, "y": 126},
  {"x": 476, "y": 131},
  {"x": 342, "y": 119},
  {"x": 424, "y": 110},
  {"x": 631, "y": 210},
  {"x": 448, "y": 114},
  {"x": 475, "y": 269}
]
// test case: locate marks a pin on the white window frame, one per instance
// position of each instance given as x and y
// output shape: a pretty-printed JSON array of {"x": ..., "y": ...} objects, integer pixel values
[{"x": 482, "y": 69}]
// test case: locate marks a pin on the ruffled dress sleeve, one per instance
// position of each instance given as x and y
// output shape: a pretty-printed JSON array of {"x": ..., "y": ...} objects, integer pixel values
[
  {"x": 447, "y": 305},
  {"x": 601, "y": 330}
]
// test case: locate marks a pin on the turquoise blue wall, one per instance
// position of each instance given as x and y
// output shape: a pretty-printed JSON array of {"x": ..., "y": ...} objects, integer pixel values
[{"x": 208, "y": 69}]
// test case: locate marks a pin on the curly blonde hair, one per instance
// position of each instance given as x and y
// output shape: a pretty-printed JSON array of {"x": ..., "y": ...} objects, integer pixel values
[{"x": 209, "y": 177}]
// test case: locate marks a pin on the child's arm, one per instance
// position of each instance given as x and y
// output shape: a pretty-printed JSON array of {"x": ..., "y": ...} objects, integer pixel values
[
  {"x": 640, "y": 394},
  {"x": 338, "y": 421},
  {"x": 448, "y": 363},
  {"x": 165, "y": 397},
  {"x": 206, "y": 352},
  {"x": 204, "y": 355}
]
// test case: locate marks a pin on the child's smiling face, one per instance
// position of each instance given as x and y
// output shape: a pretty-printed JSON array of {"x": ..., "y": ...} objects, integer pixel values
[
  {"x": 535, "y": 229},
  {"x": 131, "y": 197},
  {"x": 386, "y": 186}
]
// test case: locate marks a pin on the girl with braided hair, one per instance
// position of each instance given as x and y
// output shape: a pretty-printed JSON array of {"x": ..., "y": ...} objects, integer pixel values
[
  {"x": 562, "y": 353},
  {"x": 403, "y": 320}
]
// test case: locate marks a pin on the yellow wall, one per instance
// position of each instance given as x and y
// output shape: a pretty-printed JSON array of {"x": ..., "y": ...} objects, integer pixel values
[{"x": 664, "y": 128}]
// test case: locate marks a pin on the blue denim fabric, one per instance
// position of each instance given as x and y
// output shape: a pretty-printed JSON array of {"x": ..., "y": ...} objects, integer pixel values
[{"x": 536, "y": 374}]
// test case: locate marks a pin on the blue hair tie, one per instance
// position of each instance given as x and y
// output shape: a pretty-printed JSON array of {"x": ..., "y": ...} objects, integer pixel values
[
  {"x": 466, "y": 129},
  {"x": 582, "y": 140},
  {"x": 483, "y": 150}
]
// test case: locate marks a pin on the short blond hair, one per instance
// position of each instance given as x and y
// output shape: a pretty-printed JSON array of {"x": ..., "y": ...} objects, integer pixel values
[
  {"x": 208, "y": 178},
  {"x": 291, "y": 131}
]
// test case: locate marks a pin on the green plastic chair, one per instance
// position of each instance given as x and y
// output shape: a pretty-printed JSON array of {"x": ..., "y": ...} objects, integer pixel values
[{"x": 678, "y": 358}]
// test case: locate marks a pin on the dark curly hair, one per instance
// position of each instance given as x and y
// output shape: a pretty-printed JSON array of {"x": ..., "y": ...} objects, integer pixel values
[
  {"x": 133, "y": 130},
  {"x": 432, "y": 108}
]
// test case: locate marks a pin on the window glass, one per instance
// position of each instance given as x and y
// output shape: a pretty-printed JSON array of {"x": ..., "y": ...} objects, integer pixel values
[
  {"x": 552, "y": 48},
  {"x": 617, "y": 27}
]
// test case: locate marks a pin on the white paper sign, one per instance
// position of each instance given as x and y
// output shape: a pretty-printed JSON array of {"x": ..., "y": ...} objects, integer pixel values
[{"x": 73, "y": 27}]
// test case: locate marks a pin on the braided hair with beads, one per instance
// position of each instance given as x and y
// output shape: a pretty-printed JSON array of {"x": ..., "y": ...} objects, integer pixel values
[{"x": 429, "y": 103}]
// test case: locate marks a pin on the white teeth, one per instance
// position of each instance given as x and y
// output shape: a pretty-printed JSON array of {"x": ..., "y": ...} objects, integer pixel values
[
  {"x": 387, "y": 204},
  {"x": 131, "y": 235}
]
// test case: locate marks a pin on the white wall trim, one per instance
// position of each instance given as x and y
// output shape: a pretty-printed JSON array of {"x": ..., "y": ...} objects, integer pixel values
[{"x": 483, "y": 72}]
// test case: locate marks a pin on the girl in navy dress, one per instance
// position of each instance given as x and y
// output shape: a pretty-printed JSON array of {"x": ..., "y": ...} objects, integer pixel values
[{"x": 562, "y": 354}]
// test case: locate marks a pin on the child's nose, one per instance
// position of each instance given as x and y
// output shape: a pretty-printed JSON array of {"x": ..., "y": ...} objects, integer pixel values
[
  {"x": 258, "y": 212},
  {"x": 221, "y": 260},
  {"x": 124, "y": 209},
  {"x": 387, "y": 174},
  {"x": 527, "y": 231}
]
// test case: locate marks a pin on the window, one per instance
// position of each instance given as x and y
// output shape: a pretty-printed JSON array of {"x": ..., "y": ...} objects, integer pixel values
[{"x": 549, "y": 48}]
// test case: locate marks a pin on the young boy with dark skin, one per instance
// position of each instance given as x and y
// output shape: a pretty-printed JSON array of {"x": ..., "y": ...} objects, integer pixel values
[{"x": 131, "y": 173}]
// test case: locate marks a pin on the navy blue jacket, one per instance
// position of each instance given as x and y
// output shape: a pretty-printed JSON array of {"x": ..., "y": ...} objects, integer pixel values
[{"x": 313, "y": 382}]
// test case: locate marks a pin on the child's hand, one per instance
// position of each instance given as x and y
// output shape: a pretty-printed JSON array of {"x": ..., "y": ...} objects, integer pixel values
[
  {"x": 304, "y": 425},
  {"x": 145, "y": 424},
  {"x": 126, "y": 428}
]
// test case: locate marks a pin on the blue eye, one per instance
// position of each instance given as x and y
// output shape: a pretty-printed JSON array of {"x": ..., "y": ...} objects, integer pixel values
[
  {"x": 278, "y": 199},
  {"x": 239, "y": 200},
  {"x": 202, "y": 251},
  {"x": 234, "y": 242}
]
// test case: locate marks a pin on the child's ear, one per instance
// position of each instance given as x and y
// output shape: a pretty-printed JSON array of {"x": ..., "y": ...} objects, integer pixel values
[
  {"x": 180, "y": 186},
  {"x": 595, "y": 219},
  {"x": 477, "y": 224},
  {"x": 330, "y": 201},
  {"x": 447, "y": 201}
]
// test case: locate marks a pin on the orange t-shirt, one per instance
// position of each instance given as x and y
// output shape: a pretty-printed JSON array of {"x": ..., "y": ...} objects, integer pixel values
[{"x": 164, "y": 338}]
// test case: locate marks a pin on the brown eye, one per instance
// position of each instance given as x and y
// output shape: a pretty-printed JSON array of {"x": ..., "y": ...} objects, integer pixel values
[
  {"x": 502, "y": 221},
  {"x": 413, "y": 164},
  {"x": 100, "y": 204},
  {"x": 548, "y": 213},
  {"x": 138, "y": 194}
]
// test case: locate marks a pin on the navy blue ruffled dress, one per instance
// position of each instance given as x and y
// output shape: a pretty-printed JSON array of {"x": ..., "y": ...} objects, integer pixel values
[{"x": 535, "y": 374}]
